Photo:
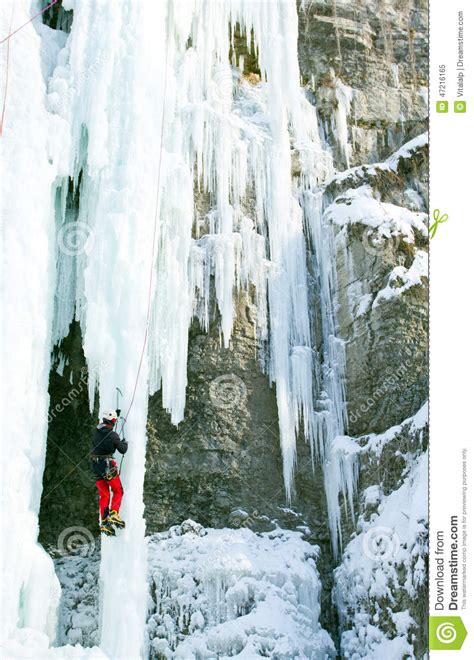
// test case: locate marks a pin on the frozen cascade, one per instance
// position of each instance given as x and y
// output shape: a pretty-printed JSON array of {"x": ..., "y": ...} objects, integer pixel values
[
  {"x": 30, "y": 588},
  {"x": 233, "y": 141},
  {"x": 113, "y": 158},
  {"x": 330, "y": 417},
  {"x": 344, "y": 98}
]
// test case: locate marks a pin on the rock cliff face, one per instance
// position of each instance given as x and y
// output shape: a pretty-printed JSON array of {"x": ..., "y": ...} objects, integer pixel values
[
  {"x": 365, "y": 67},
  {"x": 382, "y": 244},
  {"x": 367, "y": 64}
]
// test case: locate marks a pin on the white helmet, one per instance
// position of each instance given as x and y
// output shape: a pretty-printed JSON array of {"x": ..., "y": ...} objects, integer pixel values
[{"x": 110, "y": 416}]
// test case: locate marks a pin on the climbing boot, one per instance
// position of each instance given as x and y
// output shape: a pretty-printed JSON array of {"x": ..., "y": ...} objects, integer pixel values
[
  {"x": 107, "y": 528},
  {"x": 115, "y": 519}
]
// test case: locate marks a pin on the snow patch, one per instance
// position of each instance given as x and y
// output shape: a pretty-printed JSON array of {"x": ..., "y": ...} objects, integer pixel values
[
  {"x": 401, "y": 279},
  {"x": 407, "y": 150},
  {"x": 359, "y": 206}
]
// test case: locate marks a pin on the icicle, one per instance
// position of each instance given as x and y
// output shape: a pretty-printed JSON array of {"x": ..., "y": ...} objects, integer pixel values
[
  {"x": 344, "y": 98},
  {"x": 231, "y": 140}
]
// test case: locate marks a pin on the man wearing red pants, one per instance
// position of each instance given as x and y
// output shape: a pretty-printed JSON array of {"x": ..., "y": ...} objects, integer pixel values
[{"x": 104, "y": 443}]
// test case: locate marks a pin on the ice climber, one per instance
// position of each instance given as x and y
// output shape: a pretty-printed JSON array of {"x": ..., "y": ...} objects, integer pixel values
[{"x": 104, "y": 443}]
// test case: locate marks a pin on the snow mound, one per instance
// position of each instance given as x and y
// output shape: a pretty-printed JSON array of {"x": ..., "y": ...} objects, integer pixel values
[
  {"x": 30, "y": 643},
  {"x": 359, "y": 206},
  {"x": 234, "y": 593},
  {"x": 407, "y": 150}
]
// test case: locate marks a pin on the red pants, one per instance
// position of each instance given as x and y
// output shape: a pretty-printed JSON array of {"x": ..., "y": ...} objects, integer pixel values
[{"x": 105, "y": 487}]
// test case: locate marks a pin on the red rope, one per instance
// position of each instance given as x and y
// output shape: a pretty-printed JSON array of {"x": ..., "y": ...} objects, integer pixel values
[
  {"x": 7, "y": 68},
  {"x": 31, "y": 19},
  {"x": 150, "y": 283}
]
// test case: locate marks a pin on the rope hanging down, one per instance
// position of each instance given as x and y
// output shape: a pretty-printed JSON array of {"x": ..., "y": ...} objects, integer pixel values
[{"x": 153, "y": 246}]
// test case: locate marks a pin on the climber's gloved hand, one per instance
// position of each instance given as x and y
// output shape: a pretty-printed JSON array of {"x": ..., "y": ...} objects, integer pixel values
[{"x": 118, "y": 411}]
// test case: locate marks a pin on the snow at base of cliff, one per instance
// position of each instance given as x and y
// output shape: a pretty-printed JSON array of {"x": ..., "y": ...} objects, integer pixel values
[{"x": 213, "y": 593}]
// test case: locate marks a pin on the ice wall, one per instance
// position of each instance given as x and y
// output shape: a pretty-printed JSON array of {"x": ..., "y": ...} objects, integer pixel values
[
  {"x": 393, "y": 541},
  {"x": 232, "y": 140},
  {"x": 115, "y": 58},
  {"x": 30, "y": 589},
  {"x": 344, "y": 98}
]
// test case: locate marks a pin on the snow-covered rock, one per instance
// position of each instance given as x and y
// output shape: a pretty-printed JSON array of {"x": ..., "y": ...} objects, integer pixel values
[
  {"x": 212, "y": 592},
  {"x": 380, "y": 584},
  {"x": 381, "y": 240},
  {"x": 78, "y": 574}
]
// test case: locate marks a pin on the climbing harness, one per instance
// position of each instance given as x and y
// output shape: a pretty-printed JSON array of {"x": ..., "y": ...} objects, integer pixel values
[{"x": 110, "y": 471}]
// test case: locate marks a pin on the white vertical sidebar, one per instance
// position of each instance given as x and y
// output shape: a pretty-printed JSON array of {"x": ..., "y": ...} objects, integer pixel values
[{"x": 451, "y": 326}]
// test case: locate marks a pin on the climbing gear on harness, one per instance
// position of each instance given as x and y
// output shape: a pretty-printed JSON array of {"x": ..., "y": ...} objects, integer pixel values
[
  {"x": 115, "y": 519},
  {"x": 110, "y": 470}
]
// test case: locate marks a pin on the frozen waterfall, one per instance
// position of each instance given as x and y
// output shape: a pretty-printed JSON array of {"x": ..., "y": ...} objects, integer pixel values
[{"x": 97, "y": 101}]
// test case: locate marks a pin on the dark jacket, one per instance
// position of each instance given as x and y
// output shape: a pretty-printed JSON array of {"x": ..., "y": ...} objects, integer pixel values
[{"x": 105, "y": 441}]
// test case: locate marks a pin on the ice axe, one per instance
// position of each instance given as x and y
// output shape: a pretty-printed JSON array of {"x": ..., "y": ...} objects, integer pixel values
[
  {"x": 117, "y": 402},
  {"x": 119, "y": 394}
]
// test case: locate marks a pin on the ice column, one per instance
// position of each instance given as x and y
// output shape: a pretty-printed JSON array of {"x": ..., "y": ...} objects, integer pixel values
[
  {"x": 30, "y": 589},
  {"x": 114, "y": 59}
]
